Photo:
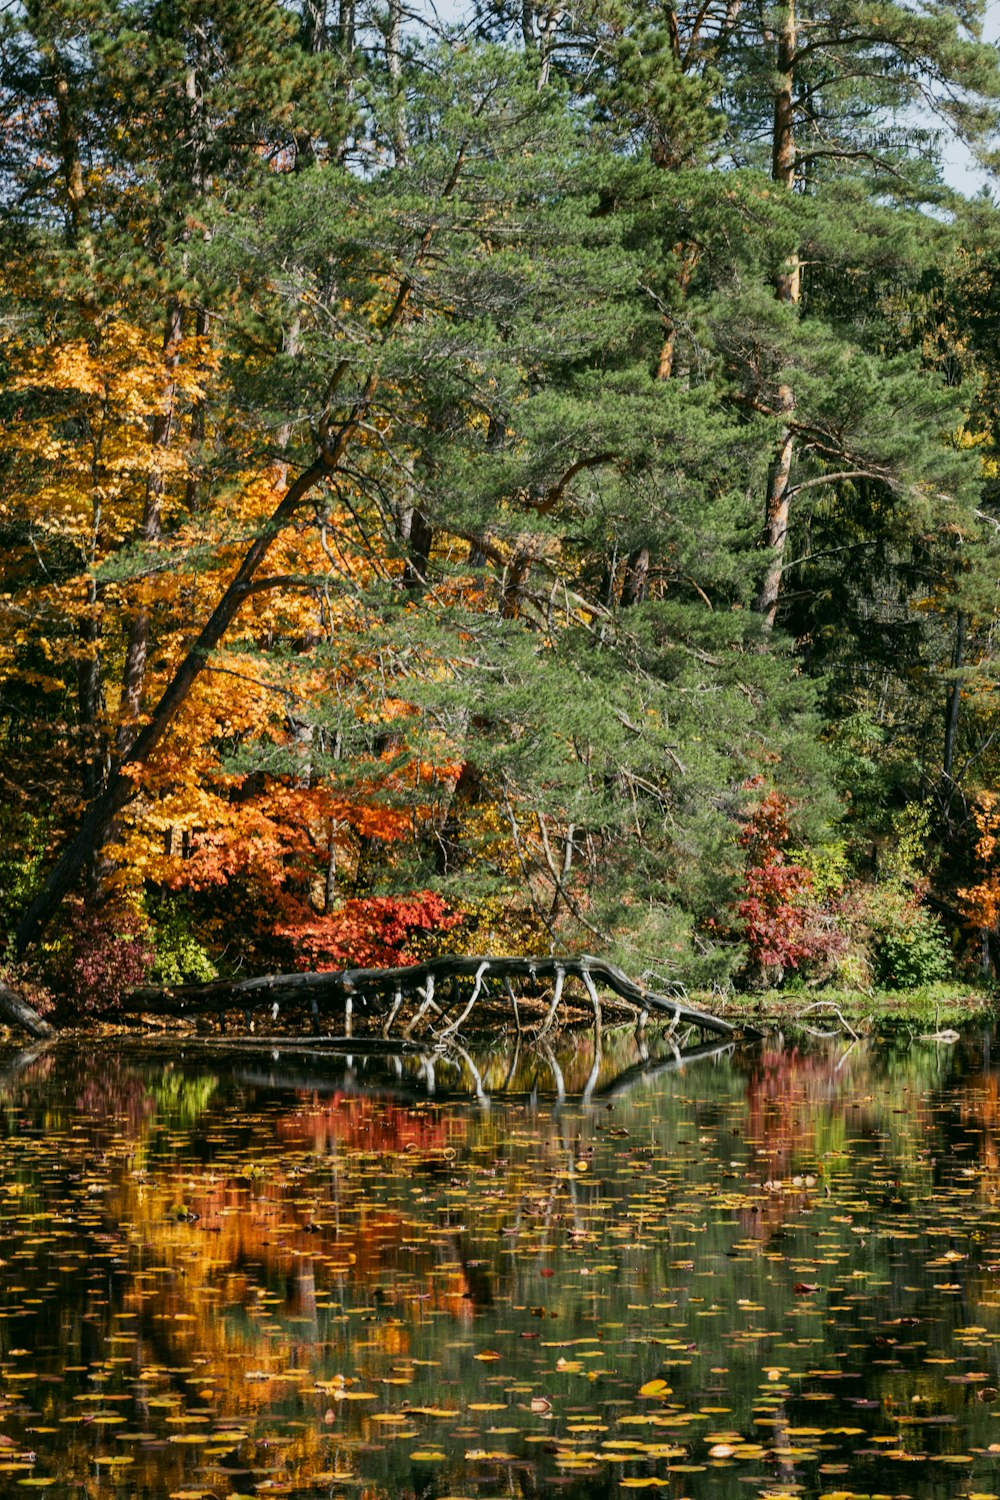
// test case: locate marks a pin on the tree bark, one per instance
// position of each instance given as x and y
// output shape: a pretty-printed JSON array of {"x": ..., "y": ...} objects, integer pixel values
[
  {"x": 688, "y": 255},
  {"x": 71, "y": 165},
  {"x": 420, "y": 540},
  {"x": 528, "y": 39},
  {"x": 636, "y": 578},
  {"x": 90, "y": 697},
  {"x": 776, "y": 517},
  {"x": 196, "y": 429},
  {"x": 783, "y": 139},
  {"x": 413, "y": 528},
  {"x": 314, "y": 26},
  {"x": 330, "y": 876},
  {"x": 515, "y": 578}
]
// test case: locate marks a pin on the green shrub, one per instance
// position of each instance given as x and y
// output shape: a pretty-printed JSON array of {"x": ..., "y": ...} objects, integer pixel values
[
  {"x": 180, "y": 957},
  {"x": 910, "y": 947}
]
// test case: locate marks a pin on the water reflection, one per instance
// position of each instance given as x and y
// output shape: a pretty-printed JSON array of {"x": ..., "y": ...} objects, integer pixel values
[
  {"x": 515, "y": 1069},
  {"x": 773, "y": 1271}
]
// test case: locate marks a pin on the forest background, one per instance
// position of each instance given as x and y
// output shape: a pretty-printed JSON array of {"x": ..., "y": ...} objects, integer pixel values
[{"x": 521, "y": 483}]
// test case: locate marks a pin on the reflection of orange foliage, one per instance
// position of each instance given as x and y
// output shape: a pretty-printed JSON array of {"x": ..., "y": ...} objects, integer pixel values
[
  {"x": 982, "y": 1110},
  {"x": 254, "y": 1245},
  {"x": 360, "y": 1122},
  {"x": 782, "y": 1091}
]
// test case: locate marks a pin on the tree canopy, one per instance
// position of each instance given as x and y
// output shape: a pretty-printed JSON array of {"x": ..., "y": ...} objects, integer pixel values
[{"x": 521, "y": 483}]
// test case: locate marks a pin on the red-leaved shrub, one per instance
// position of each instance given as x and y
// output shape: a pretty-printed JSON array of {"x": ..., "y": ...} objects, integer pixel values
[
  {"x": 105, "y": 955},
  {"x": 775, "y": 906},
  {"x": 370, "y": 931}
]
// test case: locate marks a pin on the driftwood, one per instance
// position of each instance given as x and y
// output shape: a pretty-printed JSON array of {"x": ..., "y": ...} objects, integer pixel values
[
  {"x": 436, "y": 985},
  {"x": 829, "y": 1005}
]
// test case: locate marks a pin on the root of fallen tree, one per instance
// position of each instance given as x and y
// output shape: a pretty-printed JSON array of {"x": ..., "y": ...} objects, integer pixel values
[{"x": 436, "y": 998}]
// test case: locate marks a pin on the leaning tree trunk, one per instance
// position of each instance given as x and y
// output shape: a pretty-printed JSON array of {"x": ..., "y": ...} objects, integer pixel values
[{"x": 120, "y": 787}]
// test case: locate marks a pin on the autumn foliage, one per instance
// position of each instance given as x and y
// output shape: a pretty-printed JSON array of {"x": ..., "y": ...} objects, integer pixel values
[
  {"x": 102, "y": 956},
  {"x": 369, "y": 932},
  {"x": 384, "y": 448},
  {"x": 981, "y": 900}
]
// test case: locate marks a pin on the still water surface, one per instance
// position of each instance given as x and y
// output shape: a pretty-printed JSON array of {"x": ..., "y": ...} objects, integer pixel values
[{"x": 775, "y": 1272}]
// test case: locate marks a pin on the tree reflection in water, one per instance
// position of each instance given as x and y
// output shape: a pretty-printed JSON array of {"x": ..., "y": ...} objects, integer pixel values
[{"x": 757, "y": 1271}]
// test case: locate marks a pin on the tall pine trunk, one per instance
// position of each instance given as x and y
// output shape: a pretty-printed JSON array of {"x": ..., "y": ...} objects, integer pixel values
[
  {"x": 776, "y": 514},
  {"x": 954, "y": 697},
  {"x": 788, "y": 289}
]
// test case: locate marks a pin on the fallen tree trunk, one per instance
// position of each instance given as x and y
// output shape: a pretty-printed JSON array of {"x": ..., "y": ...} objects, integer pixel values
[
  {"x": 342, "y": 988},
  {"x": 19, "y": 1013}
]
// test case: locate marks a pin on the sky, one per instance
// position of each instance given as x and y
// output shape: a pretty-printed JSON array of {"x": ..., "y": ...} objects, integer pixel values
[{"x": 960, "y": 170}]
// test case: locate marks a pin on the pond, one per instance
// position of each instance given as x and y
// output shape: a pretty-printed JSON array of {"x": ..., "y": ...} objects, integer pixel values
[{"x": 775, "y": 1271}]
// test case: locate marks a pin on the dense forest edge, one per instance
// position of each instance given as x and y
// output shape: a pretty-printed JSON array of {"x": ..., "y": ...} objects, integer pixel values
[{"x": 526, "y": 484}]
